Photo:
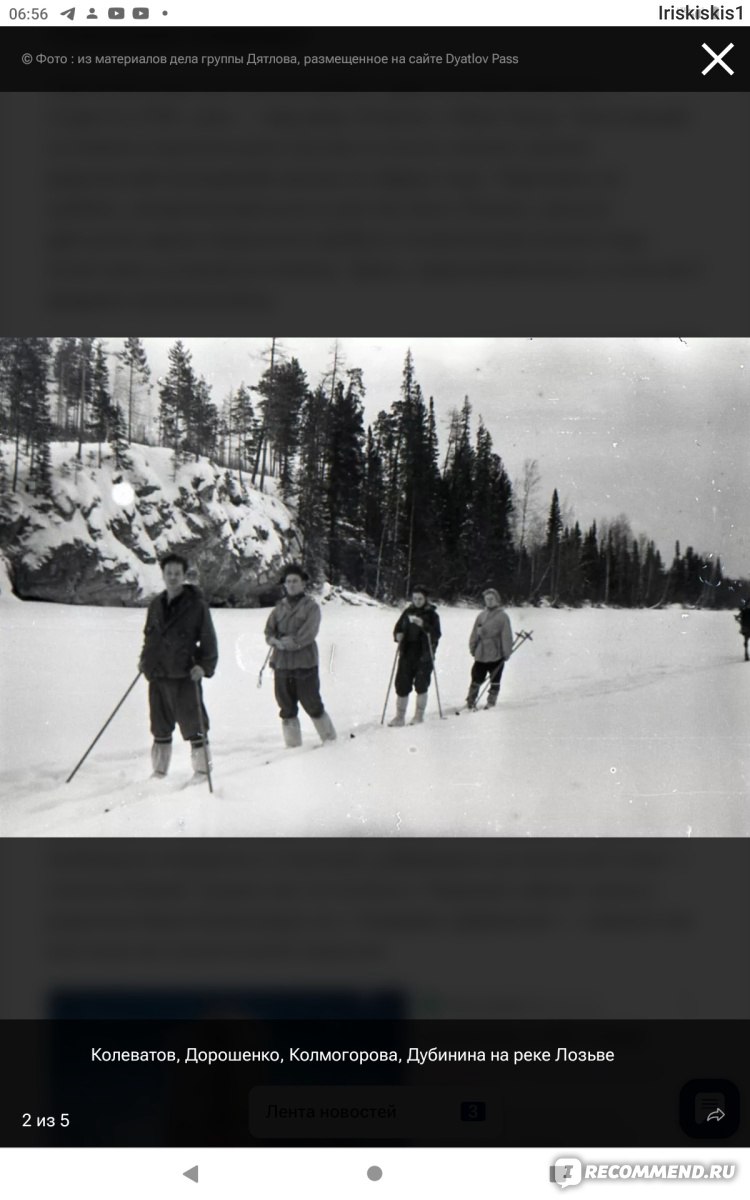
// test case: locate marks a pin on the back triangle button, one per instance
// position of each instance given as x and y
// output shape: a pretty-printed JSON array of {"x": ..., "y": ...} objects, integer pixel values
[{"x": 191, "y": 1174}]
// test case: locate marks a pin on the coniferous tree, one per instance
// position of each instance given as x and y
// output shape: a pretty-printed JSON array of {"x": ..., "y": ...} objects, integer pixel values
[
  {"x": 83, "y": 372},
  {"x": 204, "y": 423},
  {"x": 458, "y": 490},
  {"x": 408, "y": 413},
  {"x": 402, "y": 442},
  {"x": 336, "y": 370},
  {"x": 713, "y": 582},
  {"x": 636, "y": 575},
  {"x": 283, "y": 390},
  {"x": 118, "y": 439},
  {"x": 386, "y": 436},
  {"x": 134, "y": 363},
  {"x": 267, "y": 388},
  {"x": 591, "y": 566},
  {"x": 570, "y": 576},
  {"x": 177, "y": 392},
  {"x": 652, "y": 575},
  {"x": 616, "y": 542},
  {"x": 491, "y": 554},
  {"x": 345, "y": 457},
  {"x": 336, "y": 373},
  {"x": 431, "y": 493},
  {"x": 624, "y": 569},
  {"x": 23, "y": 385},
  {"x": 674, "y": 583},
  {"x": 554, "y": 534},
  {"x": 312, "y": 511},
  {"x": 243, "y": 426},
  {"x": 40, "y": 469},
  {"x": 415, "y": 501},
  {"x": 373, "y": 509},
  {"x": 6, "y": 356},
  {"x": 696, "y": 569},
  {"x": 101, "y": 400},
  {"x": 66, "y": 374}
]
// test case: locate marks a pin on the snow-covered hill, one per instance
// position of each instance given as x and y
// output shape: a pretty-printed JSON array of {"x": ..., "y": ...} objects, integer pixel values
[
  {"x": 99, "y": 539},
  {"x": 610, "y": 723}
]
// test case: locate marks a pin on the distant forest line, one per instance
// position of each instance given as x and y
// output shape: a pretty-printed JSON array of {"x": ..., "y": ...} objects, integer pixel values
[{"x": 378, "y": 508}]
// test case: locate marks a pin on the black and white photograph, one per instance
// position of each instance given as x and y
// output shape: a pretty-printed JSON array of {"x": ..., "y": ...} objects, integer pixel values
[{"x": 390, "y": 588}]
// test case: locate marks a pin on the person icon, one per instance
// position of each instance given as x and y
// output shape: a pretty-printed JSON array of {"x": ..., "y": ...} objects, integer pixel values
[{"x": 91, "y": 15}]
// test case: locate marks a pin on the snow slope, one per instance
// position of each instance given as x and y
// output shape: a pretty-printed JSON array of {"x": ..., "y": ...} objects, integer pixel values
[
  {"x": 99, "y": 539},
  {"x": 609, "y": 723},
  {"x": 6, "y": 587}
]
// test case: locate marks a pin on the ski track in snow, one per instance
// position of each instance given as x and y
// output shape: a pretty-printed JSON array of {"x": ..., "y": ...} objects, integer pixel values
[{"x": 610, "y": 722}]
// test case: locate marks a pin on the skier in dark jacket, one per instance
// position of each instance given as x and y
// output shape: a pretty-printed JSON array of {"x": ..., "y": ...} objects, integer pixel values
[
  {"x": 417, "y": 632},
  {"x": 179, "y": 650},
  {"x": 743, "y": 617}
]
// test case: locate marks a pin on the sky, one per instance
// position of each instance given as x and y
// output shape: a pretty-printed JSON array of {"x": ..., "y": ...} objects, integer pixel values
[{"x": 655, "y": 428}]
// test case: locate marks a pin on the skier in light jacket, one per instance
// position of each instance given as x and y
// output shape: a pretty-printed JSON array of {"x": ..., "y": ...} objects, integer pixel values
[
  {"x": 291, "y": 630},
  {"x": 491, "y": 643}
]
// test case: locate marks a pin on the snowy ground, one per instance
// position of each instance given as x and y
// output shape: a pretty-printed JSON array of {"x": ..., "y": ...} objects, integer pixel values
[{"x": 610, "y": 723}]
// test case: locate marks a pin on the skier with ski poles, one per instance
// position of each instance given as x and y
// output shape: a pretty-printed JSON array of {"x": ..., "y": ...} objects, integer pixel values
[
  {"x": 491, "y": 644},
  {"x": 291, "y": 630},
  {"x": 743, "y": 620},
  {"x": 417, "y": 632},
  {"x": 179, "y": 650}
]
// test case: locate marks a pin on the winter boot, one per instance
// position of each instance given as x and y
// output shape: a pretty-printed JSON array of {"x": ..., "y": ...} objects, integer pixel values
[
  {"x": 401, "y": 705},
  {"x": 292, "y": 732},
  {"x": 161, "y": 756},
  {"x": 471, "y": 698},
  {"x": 418, "y": 717},
  {"x": 324, "y": 726},
  {"x": 492, "y": 697},
  {"x": 200, "y": 757}
]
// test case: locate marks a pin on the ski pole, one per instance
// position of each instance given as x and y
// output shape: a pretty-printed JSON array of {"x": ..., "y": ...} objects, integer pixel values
[
  {"x": 390, "y": 682},
  {"x": 202, "y": 727},
  {"x": 437, "y": 689},
  {"x": 265, "y": 664},
  {"x": 521, "y": 637},
  {"x": 104, "y": 726},
  {"x": 489, "y": 682}
]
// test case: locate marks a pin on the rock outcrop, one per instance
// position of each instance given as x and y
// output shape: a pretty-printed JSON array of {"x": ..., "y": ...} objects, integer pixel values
[{"x": 99, "y": 538}]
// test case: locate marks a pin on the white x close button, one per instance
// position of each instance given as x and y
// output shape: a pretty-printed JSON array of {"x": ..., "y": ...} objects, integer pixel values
[{"x": 718, "y": 58}]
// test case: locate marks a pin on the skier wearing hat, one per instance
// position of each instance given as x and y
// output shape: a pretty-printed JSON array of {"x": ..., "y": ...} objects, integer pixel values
[
  {"x": 179, "y": 650},
  {"x": 491, "y": 643},
  {"x": 417, "y": 632},
  {"x": 291, "y": 630}
]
